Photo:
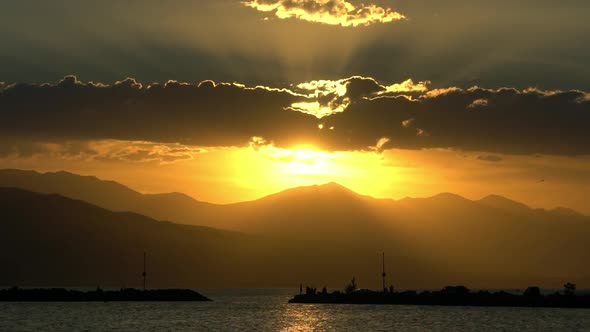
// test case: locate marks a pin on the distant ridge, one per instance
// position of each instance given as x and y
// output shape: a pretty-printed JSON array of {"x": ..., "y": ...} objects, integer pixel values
[
  {"x": 110, "y": 195},
  {"x": 566, "y": 212},
  {"x": 310, "y": 235},
  {"x": 317, "y": 190},
  {"x": 330, "y": 201},
  {"x": 504, "y": 203},
  {"x": 93, "y": 189}
]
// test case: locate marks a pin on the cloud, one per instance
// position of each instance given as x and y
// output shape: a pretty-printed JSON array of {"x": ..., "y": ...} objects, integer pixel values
[
  {"x": 478, "y": 103},
  {"x": 101, "y": 150},
  {"x": 406, "y": 86},
  {"x": 516, "y": 121},
  {"x": 330, "y": 97},
  {"x": 421, "y": 132},
  {"x": 490, "y": 158},
  {"x": 177, "y": 41},
  {"x": 205, "y": 114},
  {"x": 334, "y": 96},
  {"x": 381, "y": 144},
  {"x": 354, "y": 113},
  {"x": 441, "y": 92},
  {"x": 317, "y": 109},
  {"x": 142, "y": 152},
  {"x": 333, "y": 12},
  {"x": 407, "y": 123},
  {"x": 583, "y": 98}
]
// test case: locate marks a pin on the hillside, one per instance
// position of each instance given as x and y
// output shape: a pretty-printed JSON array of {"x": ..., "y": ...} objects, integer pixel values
[
  {"x": 328, "y": 233},
  {"x": 110, "y": 195},
  {"x": 50, "y": 240}
]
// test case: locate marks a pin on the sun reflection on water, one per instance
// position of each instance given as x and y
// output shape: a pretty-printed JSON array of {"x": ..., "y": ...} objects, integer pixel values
[{"x": 298, "y": 318}]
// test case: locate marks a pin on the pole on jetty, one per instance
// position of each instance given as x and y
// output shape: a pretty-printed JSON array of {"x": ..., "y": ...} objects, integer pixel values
[
  {"x": 144, "y": 274},
  {"x": 383, "y": 274}
]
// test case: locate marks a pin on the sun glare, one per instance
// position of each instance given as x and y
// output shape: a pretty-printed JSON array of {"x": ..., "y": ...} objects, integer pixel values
[
  {"x": 265, "y": 168},
  {"x": 307, "y": 161}
]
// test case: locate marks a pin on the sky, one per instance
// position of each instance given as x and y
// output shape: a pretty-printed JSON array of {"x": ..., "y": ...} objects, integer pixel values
[{"x": 232, "y": 100}]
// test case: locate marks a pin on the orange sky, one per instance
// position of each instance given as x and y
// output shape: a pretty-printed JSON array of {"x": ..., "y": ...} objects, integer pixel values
[{"x": 231, "y": 174}]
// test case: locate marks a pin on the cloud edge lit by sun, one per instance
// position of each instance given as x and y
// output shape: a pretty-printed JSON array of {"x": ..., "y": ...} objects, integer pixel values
[{"x": 336, "y": 12}]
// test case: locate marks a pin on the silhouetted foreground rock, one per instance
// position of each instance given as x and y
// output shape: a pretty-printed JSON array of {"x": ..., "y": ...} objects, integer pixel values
[
  {"x": 128, "y": 294},
  {"x": 449, "y": 296}
]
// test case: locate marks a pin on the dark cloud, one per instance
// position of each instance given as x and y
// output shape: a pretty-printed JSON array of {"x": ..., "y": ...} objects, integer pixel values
[
  {"x": 490, "y": 158},
  {"x": 364, "y": 115},
  {"x": 64, "y": 36},
  {"x": 512, "y": 121},
  {"x": 205, "y": 114}
]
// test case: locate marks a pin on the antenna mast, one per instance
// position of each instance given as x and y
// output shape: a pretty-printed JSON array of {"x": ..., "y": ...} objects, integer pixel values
[
  {"x": 383, "y": 274},
  {"x": 144, "y": 274}
]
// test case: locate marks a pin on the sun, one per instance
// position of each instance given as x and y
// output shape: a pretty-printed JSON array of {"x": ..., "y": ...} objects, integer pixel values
[
  {"x": 307, "y": 160},
  {"x": 264, "y": 168}
]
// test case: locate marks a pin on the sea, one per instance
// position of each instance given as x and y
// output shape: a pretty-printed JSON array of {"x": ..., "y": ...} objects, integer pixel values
[{"x": 268, "y": 310}]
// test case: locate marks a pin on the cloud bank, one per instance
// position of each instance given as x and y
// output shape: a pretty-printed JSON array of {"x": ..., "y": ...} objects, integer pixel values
[
  {"x": 356, "y": 113},
  {"x": 333, "y": 12},
  {"x": 100, "y": 150}
]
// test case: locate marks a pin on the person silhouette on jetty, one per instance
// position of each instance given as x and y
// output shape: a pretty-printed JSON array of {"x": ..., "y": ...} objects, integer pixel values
[
  {"x": 569, "y": 289},
  {"x": 351, "y": 287},
  {"x": 448, "y": 296}
]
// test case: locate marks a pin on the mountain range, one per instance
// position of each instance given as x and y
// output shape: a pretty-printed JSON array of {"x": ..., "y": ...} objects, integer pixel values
[{"x": 63, "y": 228}]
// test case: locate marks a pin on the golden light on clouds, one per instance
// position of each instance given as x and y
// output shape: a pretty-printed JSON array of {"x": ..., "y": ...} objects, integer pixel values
[
  {"x": 334, "y": 91},
  {"x": 333, "y": 12},
  {"x": 333, "y": 96},
  {"x": 406, "y": 86},
  {"x": 479, "y": 103},
  {"x": 325, "y": 87},
  {"x": 381, "y": 143},
  {"x": 316, "y": 109}
]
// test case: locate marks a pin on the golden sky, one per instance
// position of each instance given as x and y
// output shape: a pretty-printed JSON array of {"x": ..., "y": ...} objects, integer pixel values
[{"x": 232, "y": 174}]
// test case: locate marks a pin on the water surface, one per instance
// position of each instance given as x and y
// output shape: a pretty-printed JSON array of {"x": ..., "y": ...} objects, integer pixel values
[{"x": 268, "y": 310}]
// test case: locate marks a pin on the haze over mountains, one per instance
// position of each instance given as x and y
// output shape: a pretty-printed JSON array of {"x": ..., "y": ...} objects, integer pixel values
[
  {"x": 321, "y": 235},
  {"x": 181, "y": 208}
]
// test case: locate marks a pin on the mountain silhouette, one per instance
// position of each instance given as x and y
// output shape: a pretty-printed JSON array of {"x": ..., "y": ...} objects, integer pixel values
[
  {"x": 329, "y": 199},
  {"x": 110, "y": 195},
  {"x": 504, "y": 203},
  {"x": 326, "y": 233},
  {"x": 51, "y": 240},
  {"x": 296, "y": 212}
]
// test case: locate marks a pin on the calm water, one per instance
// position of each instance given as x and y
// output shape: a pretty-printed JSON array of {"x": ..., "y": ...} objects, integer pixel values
[{"x": 267, "y": 310}]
